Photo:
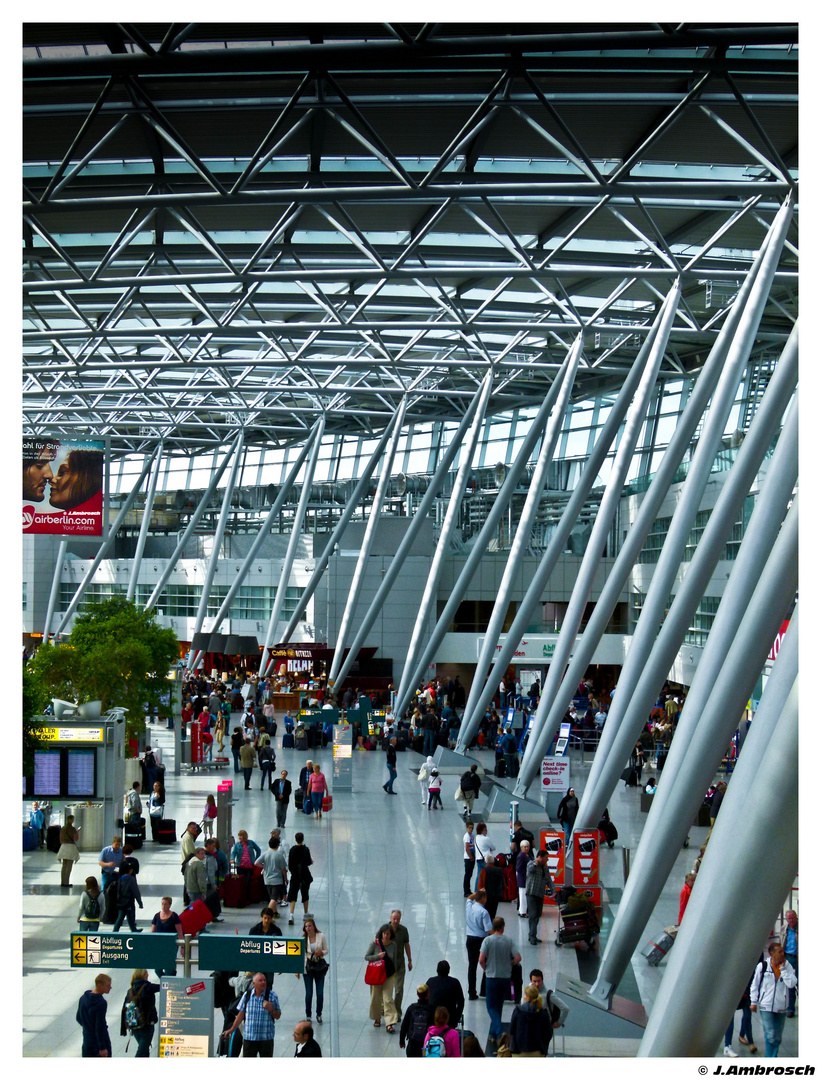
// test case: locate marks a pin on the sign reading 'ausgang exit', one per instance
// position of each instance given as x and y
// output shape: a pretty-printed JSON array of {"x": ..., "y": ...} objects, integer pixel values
[
  {"x": 123, "y": 950},
  {"x": 229, "y": 952}
]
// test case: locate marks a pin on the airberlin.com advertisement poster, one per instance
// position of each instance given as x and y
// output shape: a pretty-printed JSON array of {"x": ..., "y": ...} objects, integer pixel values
[{"x": 63, "y": 486}]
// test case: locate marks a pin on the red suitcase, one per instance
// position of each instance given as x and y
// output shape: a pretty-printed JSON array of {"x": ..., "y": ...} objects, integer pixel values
[
  {"x": 257, "y": 894},
  {"x": 327, "y": 803},
  {"x": 195, "y": 917},
  {"x": 510, "y": 890},
  {"x": 235, "y": 891}
]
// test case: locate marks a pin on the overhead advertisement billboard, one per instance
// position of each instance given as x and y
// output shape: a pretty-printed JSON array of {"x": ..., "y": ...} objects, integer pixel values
[{"x": 63, "y": 486}]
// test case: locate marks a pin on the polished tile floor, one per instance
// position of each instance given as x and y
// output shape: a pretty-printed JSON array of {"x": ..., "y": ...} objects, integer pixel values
[{"x": 372, "y": 853}]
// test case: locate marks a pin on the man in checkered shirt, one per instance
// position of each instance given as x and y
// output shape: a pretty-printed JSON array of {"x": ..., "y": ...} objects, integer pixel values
[{"x": 259, "y": 1008}]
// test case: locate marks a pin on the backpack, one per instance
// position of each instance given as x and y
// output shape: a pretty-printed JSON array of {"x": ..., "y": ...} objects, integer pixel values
[
  {"x": 419, "y": 1024},
  {"x": 93, "y": 907},
  {"x": 134, "y": 1017},
  {"x": 435, "y": 1046}
]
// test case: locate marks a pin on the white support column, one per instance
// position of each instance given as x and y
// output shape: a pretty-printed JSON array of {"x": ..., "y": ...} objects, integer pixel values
[
  {"x": 477, "y": 551},
  {"x": 367, "y": 542},
  {"x": 651, "y": 504},
  {"x": 698, "y": 475},
  {"x": 136, "y": 562},
  {"x": 189, "y": 528},
  {"x": 55, "y": 588},
  {"x": 533, "y": 596},
  {"x": 770, "y": 507},
  {"x": 448, "y": 525},
  {"x": 225, "y": 510},
  {"x": 265, "y": 528},
  {"x": 109, "y": 540},
  {"x": 522, "y": 538},
  {"x": 288, "y": 562},
  {"x": 541, "y": 735},
  {"x": 731, "y": 890},
  {"x": 418, "y": 520},
  {"x": 321, "y": 563},
  {"x": 743, "y": 654}
]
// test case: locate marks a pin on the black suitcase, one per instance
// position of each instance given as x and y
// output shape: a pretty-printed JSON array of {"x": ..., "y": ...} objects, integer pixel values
[
  {"x": 661, "y": 760},
  {"x": 301, "y": 742},
  {"x": 417, "y": 743},
  {"x": 230, "y": 1045},
  {"x": 299, "y": 796},
  {"x": 166, "y": 831},
  {"x": 499, "y": 768},
  {"x": 134, "y": 832},
  {"x": 53, "y": 838},
  {"x": 109, "y": 912},
  {"x": 212, "y": 902}
]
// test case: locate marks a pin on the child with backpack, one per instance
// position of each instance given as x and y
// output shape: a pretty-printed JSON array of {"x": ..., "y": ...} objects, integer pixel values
[
  {"x": 208, "y": 816},
  {"x": 441, "y": 1040},
  {"x": 434, "y": 789},
  {"x": 91, "y": 906}
]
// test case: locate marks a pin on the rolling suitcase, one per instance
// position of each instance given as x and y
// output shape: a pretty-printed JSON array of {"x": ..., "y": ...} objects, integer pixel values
[
  {"x": 288, "y": 741},
  {"x": 230, "y": 1045},
  {"x": 257, "y": 893},
  {"x": 655, "y": 951},
  {"x": 301, "y": 742},
  {"x": 499, "y": 768},
  {"x": 53, "y": 838},
  {"x": 134, "y": 832},
  {"x": 166, "y": 831},
  {"x": 195, "y": 917},
  {"x": 510, "y": 890},
  {"x": 299, "y": 795},
  {"x": 235, "y": 891},
  {"x": 212, "y": 902},
  {"x": 327, "y": 803},
  {"x": 109, "y": 912},
  {"x": 29, "y": 838}
]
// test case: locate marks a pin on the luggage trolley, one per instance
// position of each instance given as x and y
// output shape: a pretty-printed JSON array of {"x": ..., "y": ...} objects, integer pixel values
[{"x": 575, "y": 924}]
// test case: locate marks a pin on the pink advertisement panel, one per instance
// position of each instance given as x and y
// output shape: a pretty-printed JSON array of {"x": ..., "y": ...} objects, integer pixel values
[{"x": 63, "y": 486}]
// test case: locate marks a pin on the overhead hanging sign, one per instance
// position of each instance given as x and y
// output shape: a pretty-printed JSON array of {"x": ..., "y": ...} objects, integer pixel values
[{"x": 63, "y": 486}]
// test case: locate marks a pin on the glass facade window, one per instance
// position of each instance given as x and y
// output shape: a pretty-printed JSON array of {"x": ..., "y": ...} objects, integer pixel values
[
  {"x": 182, "y": 601},
  {"x": 702, "y": 622},
  {"x": 655, "y": 540},
  {"x": 661, "y": 526}
]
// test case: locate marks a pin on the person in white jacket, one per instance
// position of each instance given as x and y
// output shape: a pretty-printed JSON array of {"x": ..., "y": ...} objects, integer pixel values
[
  {"x": 768, "y": 995},
  {"x": 423, "y": 776}
]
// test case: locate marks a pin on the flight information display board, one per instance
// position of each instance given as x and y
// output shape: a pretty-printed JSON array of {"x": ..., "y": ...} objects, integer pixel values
[
  {"x": 47, "y": 772},
  {"x": 81, "y": 773}
]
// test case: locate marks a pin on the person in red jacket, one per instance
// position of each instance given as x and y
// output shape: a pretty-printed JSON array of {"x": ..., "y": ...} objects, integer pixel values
[{"x": 684, "y": 895}]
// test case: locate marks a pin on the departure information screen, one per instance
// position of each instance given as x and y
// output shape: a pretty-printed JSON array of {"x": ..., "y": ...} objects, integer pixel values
[
  {"x": 81, "y": 773},
  {"x": 47, "y": 772}
]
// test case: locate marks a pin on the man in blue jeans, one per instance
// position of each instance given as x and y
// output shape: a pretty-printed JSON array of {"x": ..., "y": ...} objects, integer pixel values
[{"x": 496, "y": 958}]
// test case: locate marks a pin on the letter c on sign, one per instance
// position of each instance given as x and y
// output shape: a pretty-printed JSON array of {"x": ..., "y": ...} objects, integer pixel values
[{"x": 129, "y": 943}]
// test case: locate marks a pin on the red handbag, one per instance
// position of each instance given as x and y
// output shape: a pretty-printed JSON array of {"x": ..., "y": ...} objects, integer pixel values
[{"x": 375, "y": 973}]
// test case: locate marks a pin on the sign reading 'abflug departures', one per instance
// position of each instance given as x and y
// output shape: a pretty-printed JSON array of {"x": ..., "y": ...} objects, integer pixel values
[{"x": 63, "y": 486}]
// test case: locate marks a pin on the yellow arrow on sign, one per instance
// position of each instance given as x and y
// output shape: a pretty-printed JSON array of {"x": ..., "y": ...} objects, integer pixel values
[
  {"x": 80, "y": 957},
  {"x": 294, "y": 947},
  {"x": 79, "y": 942}
]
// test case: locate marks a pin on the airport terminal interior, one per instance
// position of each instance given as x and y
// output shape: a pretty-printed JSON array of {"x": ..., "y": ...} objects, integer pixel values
[{"x": 368, "y": 357}]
